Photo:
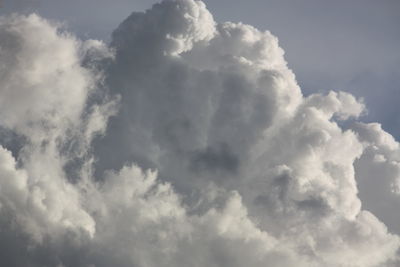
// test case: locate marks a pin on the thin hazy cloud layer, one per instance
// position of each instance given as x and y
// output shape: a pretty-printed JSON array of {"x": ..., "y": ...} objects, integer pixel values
[{"x": 183, "y": 143}]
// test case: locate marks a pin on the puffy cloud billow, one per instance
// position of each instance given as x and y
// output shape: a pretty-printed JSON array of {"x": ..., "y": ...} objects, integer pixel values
[{"x": 184, "y": 142}]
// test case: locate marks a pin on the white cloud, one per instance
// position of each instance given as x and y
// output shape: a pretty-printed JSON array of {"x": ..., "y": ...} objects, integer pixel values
[
  {"x": 249, "y": 171},
  {"x": 378, "y": 173}
]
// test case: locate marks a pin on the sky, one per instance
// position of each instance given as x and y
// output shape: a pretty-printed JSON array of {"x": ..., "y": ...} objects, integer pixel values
[{"x": 190, "y": 133}]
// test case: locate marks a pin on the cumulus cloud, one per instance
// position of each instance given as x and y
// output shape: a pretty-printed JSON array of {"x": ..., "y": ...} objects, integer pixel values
[
  {"x": 378, "y": 173},
  {"x": 185, "y": 142}
]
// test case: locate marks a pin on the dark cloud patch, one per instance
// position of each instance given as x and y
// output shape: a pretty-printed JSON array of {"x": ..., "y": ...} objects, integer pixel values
[{"x": 215, "y": 159}]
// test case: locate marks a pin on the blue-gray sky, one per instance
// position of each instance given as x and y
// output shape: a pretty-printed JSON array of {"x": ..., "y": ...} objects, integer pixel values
[{"x": 330, "y": 45}]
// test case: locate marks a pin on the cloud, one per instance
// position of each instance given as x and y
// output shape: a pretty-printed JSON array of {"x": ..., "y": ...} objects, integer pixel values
[
  {"x": 183, "y": 142},
  {"x": 378, "y": 173}
]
